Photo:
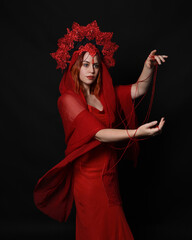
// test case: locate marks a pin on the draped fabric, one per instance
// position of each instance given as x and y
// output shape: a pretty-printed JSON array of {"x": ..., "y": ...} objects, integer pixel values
[
  {"x": 98, "y": 217},
  {"x": 53, "y": 193}
]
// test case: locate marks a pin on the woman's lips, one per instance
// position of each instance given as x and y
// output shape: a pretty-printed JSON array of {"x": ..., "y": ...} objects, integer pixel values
[{"x": 90, "y": 77}]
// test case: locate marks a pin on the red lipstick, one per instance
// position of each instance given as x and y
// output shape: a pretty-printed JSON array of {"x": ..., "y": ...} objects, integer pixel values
[{"x": 90, "y": 77}]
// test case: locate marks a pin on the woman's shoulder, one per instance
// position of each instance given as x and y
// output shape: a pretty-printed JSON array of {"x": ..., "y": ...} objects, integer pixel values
[{"x": 69, "y": 98}]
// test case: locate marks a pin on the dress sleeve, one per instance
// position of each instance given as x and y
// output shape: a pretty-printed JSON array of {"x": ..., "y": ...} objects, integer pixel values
[
  {"x": 126, "y": 105},
  {"x": 69, "y": 108},
  {"x": 123, "y": 93},
  {"x": 79, "y": 124}
]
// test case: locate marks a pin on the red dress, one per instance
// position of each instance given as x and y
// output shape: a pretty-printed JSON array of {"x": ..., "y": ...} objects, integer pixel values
[{"x": 95, "y": 218}]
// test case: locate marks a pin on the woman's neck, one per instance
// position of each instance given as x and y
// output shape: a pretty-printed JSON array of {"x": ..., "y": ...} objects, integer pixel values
[{"x": 87, "y": 90}]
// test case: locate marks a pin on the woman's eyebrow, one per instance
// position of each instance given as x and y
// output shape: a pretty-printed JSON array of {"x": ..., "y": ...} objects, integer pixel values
[{"x": 89, "y": 62}]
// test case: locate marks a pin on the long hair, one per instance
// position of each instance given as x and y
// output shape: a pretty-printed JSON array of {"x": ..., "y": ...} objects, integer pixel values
[{"x": 96, "y": 85}]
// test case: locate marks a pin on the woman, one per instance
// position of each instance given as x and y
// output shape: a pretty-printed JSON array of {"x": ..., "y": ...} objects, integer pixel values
[{"x": 92, "y": 109}]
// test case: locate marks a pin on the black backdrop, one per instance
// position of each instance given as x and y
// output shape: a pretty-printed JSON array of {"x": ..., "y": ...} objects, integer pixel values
[{"x": 157, "y": 195}]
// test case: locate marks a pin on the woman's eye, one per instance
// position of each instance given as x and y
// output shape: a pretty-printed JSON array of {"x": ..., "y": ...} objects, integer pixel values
[
  {"x": 96, "y": 65},
  {"x": 87, "y": 65}
]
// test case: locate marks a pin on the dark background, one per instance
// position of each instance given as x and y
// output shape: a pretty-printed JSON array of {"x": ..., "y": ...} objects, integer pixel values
[{"x": 156, "y": 195}]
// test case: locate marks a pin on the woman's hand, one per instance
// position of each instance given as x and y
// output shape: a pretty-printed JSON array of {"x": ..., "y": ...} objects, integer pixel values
[
  {"x": 153, "y": 59},
  {"x": 150, "y": 129}
]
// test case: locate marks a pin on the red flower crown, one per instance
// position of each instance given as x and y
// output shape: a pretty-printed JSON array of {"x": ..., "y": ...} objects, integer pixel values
[{"x": 85, "y": 38}]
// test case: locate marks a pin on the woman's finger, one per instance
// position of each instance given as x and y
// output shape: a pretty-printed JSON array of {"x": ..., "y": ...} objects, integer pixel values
[
  {"x": 157, "y": 59},
  {"x": 151, "y": 124},
  {"x": 154, "y": 131},
  {"x": 161, "y": 124},
  {"x": 152, "y": 53},
  {"x": 162, "y": 59}
]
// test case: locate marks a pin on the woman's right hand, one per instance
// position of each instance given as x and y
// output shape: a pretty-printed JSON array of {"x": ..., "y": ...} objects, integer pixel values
[{"x": 150, "y": 129}]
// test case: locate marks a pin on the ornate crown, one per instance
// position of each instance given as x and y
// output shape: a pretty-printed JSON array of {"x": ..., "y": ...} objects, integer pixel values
[{"x": 85, "y": 38}]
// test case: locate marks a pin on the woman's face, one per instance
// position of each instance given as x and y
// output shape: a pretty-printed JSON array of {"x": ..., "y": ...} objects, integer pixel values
[{"x": 89, "y": 69}]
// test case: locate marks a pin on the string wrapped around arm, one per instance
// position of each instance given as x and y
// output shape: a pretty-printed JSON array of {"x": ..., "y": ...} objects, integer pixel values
[{"x": 128, "y": 106}]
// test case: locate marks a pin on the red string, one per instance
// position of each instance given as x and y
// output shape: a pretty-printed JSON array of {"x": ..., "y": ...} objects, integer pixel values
[{"x": 133, "y": 139}]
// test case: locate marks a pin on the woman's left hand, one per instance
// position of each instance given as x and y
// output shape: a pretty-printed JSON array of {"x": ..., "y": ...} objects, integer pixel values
[{"x": 153, "y": 59}]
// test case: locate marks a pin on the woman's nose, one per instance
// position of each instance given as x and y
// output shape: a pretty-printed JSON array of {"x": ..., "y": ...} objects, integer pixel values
[{"x": 92, "y": 69}]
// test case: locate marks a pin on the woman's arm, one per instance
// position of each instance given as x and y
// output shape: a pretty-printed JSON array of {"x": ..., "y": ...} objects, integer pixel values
[
  {"x": 115, "y": 135},
  {"x": 141, "y": 86}
]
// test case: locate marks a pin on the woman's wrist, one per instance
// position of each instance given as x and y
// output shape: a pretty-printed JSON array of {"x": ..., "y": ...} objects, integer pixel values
[
  {"x": 147, "y": 68},
  {"x": 132, "y": 133},
  {"x": 137, "y": 133}
]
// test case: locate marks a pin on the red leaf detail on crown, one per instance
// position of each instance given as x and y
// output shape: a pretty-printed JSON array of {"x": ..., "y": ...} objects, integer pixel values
[
  {"x": 89, "y": 47},
  {"x": 77, "y": 34}
]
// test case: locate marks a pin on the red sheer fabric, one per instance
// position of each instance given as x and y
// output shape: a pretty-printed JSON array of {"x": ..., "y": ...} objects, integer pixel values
[
  {"x": 53, "y": 193},
  {"x": 97, "y": 217}
]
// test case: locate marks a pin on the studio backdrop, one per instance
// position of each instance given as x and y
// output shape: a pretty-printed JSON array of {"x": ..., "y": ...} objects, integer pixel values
[{"x": 157, "y": 194}]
